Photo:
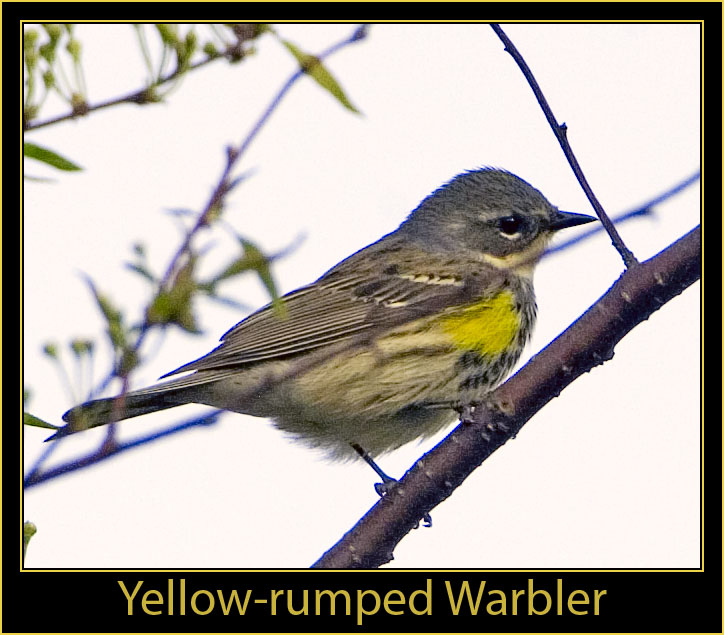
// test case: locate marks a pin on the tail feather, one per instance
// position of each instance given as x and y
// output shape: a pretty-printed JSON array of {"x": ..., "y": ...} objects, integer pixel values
[
  {"x": 168, "y": 394},
  {"x": 100, "y": 412}
]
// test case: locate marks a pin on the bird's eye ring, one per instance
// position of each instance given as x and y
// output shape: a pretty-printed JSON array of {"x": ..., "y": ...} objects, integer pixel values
[{"x": 510, "y": 226}]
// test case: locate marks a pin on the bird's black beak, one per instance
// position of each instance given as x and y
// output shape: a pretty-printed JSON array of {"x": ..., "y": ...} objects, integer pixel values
[{"x": 561, "y": 220}]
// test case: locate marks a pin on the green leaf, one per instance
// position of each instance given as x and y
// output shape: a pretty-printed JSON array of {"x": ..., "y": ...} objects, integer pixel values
[
  {"x": 29, "y": 530},
  {"x": 50, "y": 349},
  {"x": 315, "y": 69},
  {"x": 32, "y": 420},
  {"x": 252, "y": 259},
  {"x": 168, "y": 33},
  {"x": 114, "y": 318},
  {"x": 45, "y": 155},
  {"x": 174, "y": 304},
  {"x": 260, "y": 263},
  {"x": 82, "y": 347}
]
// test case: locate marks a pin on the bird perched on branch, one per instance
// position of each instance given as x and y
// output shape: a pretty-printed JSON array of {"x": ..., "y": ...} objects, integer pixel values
[{"x": 391, "y": 343}]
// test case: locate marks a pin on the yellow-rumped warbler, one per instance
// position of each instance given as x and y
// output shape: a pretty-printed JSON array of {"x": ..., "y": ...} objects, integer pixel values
[{"x": 389, "y": 343}]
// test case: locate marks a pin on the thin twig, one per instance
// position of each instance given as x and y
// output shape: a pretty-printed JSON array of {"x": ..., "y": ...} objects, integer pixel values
[
  {"x": 637, "y": 212},
  {"x": 110, "y": 449},
  {"x": 223, "y": 186},
  {"x": 143, "y": 95},
  {"x": 234, "y": 154},
  {"x": 560, "y": 130}
]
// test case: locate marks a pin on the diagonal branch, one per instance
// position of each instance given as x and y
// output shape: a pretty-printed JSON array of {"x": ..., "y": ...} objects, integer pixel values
[
  {"x": 560, "y": 130},
  {"x": 588, "y": 342},
  {"x": 109, "y": 449},
  {"x": 638, "y": 211},
  {"x": 146, "y": 95},
  {"x": 234, "y": 154}
]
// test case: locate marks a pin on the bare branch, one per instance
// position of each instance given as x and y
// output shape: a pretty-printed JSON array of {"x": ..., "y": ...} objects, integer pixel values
[
  {"x": 638, "y": 211},
  {"x": 560, "y": 130},
  {"x": 109, "y": 449}
]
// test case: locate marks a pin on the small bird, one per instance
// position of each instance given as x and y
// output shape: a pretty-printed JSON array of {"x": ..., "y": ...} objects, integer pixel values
[{"x": 392, "y": 343}]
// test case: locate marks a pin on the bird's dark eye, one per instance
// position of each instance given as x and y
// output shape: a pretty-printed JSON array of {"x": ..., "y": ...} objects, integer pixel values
[{"x": 510, "y": 225}]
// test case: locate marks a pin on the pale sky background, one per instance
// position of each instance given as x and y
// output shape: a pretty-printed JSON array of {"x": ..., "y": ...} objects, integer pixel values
[{"x": 607, "y": 475}]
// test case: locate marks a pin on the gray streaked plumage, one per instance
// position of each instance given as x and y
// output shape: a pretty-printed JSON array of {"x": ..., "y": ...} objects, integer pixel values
[{"x": 387, "y": 369}]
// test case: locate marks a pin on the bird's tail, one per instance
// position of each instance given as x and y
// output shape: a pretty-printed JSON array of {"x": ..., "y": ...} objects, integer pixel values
[{"x": 100, "y": 412}]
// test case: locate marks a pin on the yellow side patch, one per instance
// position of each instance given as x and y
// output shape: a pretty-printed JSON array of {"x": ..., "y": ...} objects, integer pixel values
[{"x": 487, "y": 327}]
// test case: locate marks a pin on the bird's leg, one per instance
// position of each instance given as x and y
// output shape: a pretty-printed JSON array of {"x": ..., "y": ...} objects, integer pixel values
[{"x": 388, "y": 482}]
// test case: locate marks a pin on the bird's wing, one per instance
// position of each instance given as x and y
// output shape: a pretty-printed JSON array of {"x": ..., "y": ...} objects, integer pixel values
[{"x": 343, "y": 305}]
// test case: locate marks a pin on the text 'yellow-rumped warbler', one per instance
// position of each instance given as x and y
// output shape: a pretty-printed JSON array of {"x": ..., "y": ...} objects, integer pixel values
[{"x": 390, "y": 343}]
